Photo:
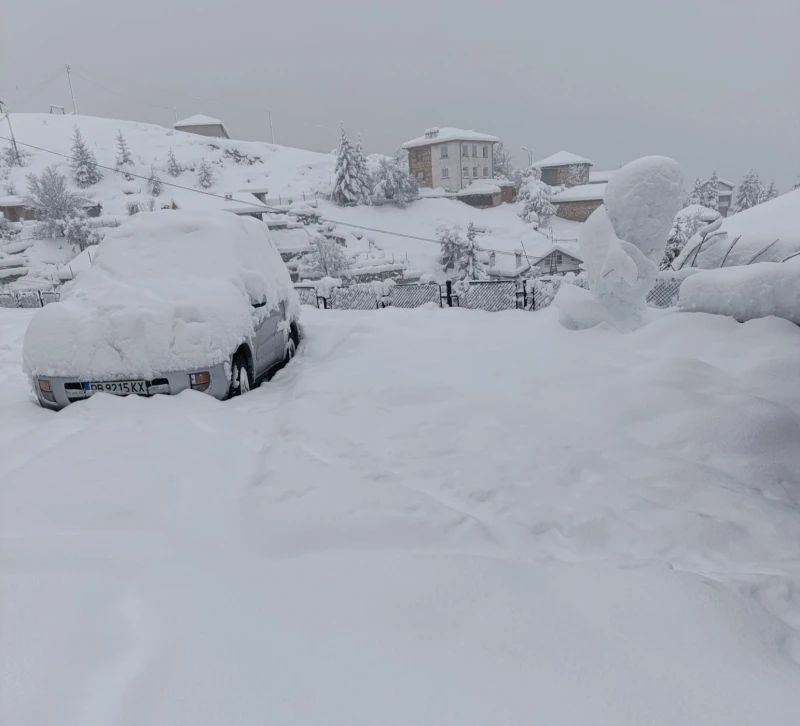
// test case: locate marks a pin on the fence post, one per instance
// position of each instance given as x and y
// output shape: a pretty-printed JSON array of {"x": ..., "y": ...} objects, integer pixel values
[
  {"x": 324, "y": 302},
  {"x": 449, "y": 286},
  {"x": 41, "y": 300}
]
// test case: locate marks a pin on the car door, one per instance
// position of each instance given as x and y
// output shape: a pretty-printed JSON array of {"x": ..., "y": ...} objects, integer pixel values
[{"x": 267, "y": 338}]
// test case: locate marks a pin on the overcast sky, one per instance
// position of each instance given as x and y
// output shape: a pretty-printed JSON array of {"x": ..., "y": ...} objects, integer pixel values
[{"x": 713, "y": 83}]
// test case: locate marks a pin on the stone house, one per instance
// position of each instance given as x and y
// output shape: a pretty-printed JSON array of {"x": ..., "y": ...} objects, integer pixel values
[
  {"x": 14, "y": 210},
  {"x": 577, "y": 203},
  {"x": 564, "y": 169},
  {"x": 451, "y": 158},
  {"x": 202, "y": 126}
]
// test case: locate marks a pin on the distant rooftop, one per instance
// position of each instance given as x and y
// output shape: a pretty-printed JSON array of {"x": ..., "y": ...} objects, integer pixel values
[
  {"x": 598, "y": 177},
  {"x": 562, "y": 158},
  {"x": 480, "y": 187},
  {"x": 580, "y": 193},
  {"x": 448, "y": 133},
  {"x": 199, "y": 120}
]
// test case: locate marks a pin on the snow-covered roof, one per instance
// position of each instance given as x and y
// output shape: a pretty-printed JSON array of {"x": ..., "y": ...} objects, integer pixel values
[
  {"x": 598, "y": 177},
  {"x": 243, "y": 203},
  {"x": 12, "y": 200},
  {"x": 448, "y": 133},
  {"x": 198, "y": 120},
  {"x": 479, "y": 187},
  {"x": 569, "y": 251},
  {"x": 293, "y": 239},
  {"x": 580, "y": 193},
  {"x": 255, "y": 190},
  {"x": 562, "y": 158}
]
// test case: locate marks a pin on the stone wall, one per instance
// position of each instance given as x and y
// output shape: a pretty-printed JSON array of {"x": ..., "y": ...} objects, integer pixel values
[
  {"x": 561, "y": 175},
  {"x": 578, "y": 211},
  {"x": 419, "y": 160}
]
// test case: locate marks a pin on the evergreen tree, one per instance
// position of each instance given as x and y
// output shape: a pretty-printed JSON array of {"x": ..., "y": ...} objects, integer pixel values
[
  {"x": 469, "y": 265},
  {"x": 84, "y": 164},
  {"x": 154, "y": 183},
  {"x": 363, "y": 175},
  {"x": 502, "y": 166},
  {"x": 124, "y": 157},
  {"x": 533, "y": 199},
  {"x": 710, "y": 194},
  {"x": 772, "y": 191},
  {"x": 52, "y": 202},
  {"x": 696, "y": 195},
  {"x": 452, "y": 246},
  {"x": 678, "y": 237},
  {"x": 173, "y": 168},
  {"x": 205, "y": 177},
  {"x": 393, "y": 184},
  {"x": 347, "y": 186},
  {"x": 749, "y": 193}
]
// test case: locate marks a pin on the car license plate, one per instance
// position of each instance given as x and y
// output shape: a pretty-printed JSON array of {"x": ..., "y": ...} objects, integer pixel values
[{"x": 118, "y": 388}]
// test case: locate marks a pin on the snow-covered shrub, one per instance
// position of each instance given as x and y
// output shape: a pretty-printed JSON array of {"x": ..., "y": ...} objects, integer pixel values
[
  {"x": 696, "y": 195},
  {"x": 239, "y": 158},
  {"x": 7, "y": 230},
  {"x": 80, "y": 233},
  {"x": 205, "y": 177},
  {"x": 12, "y": 157},
  {"x": 676, "y": 241},
  {"x": 52, "y": 202},
  {"x": 502, "y": 165},
  {"x": 85, "y": 171},
  {"x": 772, "y": 191},
  {"x": 173, "y": 168},
  {"x": 154, "y": 183},
  {"x": 623, "y": 241},
  {"x": 327, "y": 258},
  {"x": 391, "y": 183},
  {"x": 451, "y": 246},
  {"x": 462, "y": 255},
  {"x": 533, "y": 198},
  {"x": 351, "y": 178}
]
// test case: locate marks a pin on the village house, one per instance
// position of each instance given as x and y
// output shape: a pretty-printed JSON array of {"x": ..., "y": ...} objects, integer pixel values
[
  {"x": 451, "y": 158},
  {"x": 557, "y": 260},
  {"x": 202, "y": 126},
  {"x": 14, "y": 210},
  {"x": 577, "y": 203},
  {"x": 564, "y": 169},
  {"x": 725, "y": 191}
]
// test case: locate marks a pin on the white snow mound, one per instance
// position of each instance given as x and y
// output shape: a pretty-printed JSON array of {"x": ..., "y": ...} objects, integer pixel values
[
  {"x": 167, "y": 291},
  {"x": 744, "y": 293}
]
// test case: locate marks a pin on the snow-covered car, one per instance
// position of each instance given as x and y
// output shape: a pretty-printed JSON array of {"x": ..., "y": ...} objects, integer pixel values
[{"x": 174, "y": 300}]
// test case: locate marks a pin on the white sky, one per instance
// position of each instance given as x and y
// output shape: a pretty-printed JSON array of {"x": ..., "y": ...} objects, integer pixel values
[{"x": 713, "y": 83}]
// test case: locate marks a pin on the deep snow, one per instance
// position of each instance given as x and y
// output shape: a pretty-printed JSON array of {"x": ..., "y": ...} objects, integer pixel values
[{"x": 429, "y": 517}]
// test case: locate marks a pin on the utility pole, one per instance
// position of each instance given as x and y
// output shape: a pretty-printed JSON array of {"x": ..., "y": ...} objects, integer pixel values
[
  {"x": 271, "y": 128},
  {"x": 175, "y": 112},
  {"x": 11, "y": 129},
  {"x": 71, "y": 92}
]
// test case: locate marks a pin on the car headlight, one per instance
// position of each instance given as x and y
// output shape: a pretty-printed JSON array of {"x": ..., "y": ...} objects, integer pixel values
[{"x": 46, "y": 390}]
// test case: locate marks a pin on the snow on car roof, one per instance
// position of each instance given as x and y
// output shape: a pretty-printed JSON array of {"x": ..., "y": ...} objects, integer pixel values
[
  {"x": 449, "y": 133},
  {"x": 166, "y": 291},
  {"x": 562, "y": 158},
  {"x": 580, "y": 193}
]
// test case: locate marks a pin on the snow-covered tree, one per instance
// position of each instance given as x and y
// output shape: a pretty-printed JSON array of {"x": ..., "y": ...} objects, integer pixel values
[
  {"x": 772, "y": 191},
  {"x": 52, "y": 202},
  {"x": 327, "y": 258},
  {"x": 84, "y": 164},
  {"x": 205, "y": 177},
  {"x": 676, "y": 241},
  {"x": 173, "y": 168},
  {"x": 749, "y": 193},
  {"x": 469, "y": 265},
  {"x": 80, "y": 233},
  {"x": 351, "y": 185},
  {"x": 391, "y": 183},
  {"x": 696, "y": 195},
  {"x": 14, "y": 157},
  {"x": 363, "y": 174},
  {"x": 533, "y": 198},
  {"x": 154, "y": 183},
  {"x": 451, "y": 246},
  {"x": 710, "y": 193},
  {"x": 503, "y": 166},
  {"x": 124, "y": 157}
]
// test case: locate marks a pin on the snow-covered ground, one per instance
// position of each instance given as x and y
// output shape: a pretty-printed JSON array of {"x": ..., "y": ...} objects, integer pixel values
[{"x": 429, "y": 517}]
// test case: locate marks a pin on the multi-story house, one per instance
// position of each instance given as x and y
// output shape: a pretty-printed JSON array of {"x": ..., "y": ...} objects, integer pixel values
[{"x": 451, "y": 158}]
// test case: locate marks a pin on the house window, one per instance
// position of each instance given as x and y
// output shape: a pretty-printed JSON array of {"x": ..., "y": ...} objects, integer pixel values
[
  {"x": 485, "y": 152},
  {"x": 486, "y": 171},
  {"x": 559, "y": 258},
  {"x": 475, "y": 171},
  {"x": 420, "y": 176},
  {"x": 418, "y": 154},
  {"x": 465, "y": 171},
  {"x": 465, "y": 150},
  {"x": 445, "y": 173},
  {"x": 475, "y": 151},
  {"x": 444, "y": 152}
]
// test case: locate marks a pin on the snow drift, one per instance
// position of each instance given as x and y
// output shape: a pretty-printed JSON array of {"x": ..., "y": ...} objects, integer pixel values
[
  {"x": 167, "y": 291},
  {"x": 745, "y": 292}
]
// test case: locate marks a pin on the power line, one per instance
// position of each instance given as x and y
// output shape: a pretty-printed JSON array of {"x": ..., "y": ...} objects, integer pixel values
[
  {"x": 258, "y": 206},
  {"x": 117, "y": 93}
]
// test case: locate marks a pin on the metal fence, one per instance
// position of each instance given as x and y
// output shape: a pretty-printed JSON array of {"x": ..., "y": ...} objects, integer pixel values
[
  {"x": 665, "y": 292},
  {"x": 354, "y": 298},
  {"x": 28, "y": 298},
  {"x": 414, "y": 296},
  {"x": 490, "y": 296}
]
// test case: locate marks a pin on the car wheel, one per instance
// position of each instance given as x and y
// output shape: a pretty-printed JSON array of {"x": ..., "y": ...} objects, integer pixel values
[
  {"x": 240, "y": 376},
  {"x": 291, "y": 349}
]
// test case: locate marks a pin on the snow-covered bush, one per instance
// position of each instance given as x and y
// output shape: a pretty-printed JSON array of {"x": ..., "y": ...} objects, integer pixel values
[
  {"x": 772, "y": 191},
  {"x": 7, "y": 230},
  {"x": 709, "y": 196},
  {"x": 451, "y": 246},
  {"x": 533, "y": 198},
  {"x": 80, "y": 233},
  {"x": 351, "y": 178},
  {"x": 462, "y": 255},
  {"x": 391, "y": 183},
  {"x": 696, "y": 195},
  {"x": 12, "y": 157},
  {"x": 623, "y": 241},
  {"x": 327, "y": 258},
  {"x": 173, "y": 168},
  {"x": 205, "y": 177},
  {"x": 154, "y": 183},
  {"x": 52, "y": 202},
  {"x": 85, "y": 171},
  {"x": 502, "y": 165},
  {"x": 676, "y": 241},
  {"x": 469, "y": 264}
]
